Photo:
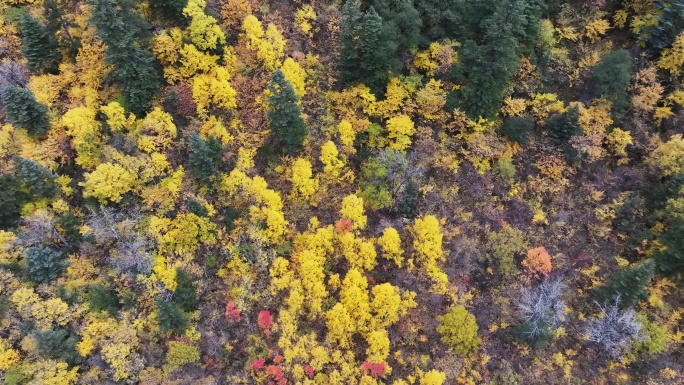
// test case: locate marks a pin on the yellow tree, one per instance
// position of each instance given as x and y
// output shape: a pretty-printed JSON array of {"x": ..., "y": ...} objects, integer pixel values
[
  {"x": 332, "y": 164},
  {"x": 204, "y": 30},
  {"x": 270, "y": 45},
  {"x": 108, "y": 183},
  {"x": 672, "y": 59},
  {"x": 401, "y": 129},
  {"x": 354, "y": 298},
  {"x": 390, "y": 242},
  {"x": 157, "y": 131},
  {"x": 303, "y": 183},
  {"x": 296, "y": 75},
  {"x": 352, "y": 208},
  {"x": 85, "y": 131}
]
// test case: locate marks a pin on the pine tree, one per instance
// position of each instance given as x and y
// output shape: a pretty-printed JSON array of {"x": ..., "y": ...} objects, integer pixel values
[
  {"x": 57, "y": 21},
  {"x": 401, "y": 21},
  {"x": 37, "y": 180},
  {"x": 564, "y": 126},
  {"x": 185, "y": 295},
  {"x": 101, "y": 299},
  {"x": 629, "y": 282},
  {"x": 23, "y": 111},
  {"x": 40, "y": 46},
  {"x": 126, "y": 35},
  {"x": 284, "y": 114},
  {"x": 205, "y": 158}
]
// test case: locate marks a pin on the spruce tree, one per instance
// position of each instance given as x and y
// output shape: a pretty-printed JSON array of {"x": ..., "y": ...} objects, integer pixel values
[
  {"x": 126, "y": 35},
  {"x": 38, "y": 181},
  {"x": 171, "y": 317},
  {"x": 58, "y": 344},
  {"x": 401, "y": 21},
  {"x": 24, "y": 111},
  {"x": 40, "y": 46},
  {"x": 284, "y": 114},
  {"x": 185, "y": 295},
  {"x": 205, "y": 158},
  {"x": 377, "y": 52},
  {"x": 564, "y": 126},
  {"x": 629, "y": 283}
]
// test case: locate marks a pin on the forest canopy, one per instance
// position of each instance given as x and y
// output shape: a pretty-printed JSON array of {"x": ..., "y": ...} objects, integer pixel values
[{"x": 348, "y": 192}]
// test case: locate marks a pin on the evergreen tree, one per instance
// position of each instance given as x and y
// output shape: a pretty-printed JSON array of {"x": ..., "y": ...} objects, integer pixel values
[
  {"x": 401, "y": 21},
  {"x": 57, "y": 21},
  {"x": 171, "y": 317},
  {"x": 284, "y": 114},
  {"x": 368, "y": 49},
  {"x": 517, "y": 128},
  {"x": 185, "y": 296},
  {"x": 43, "y": 264},
  {"x": 351, "y": 30},
  {"x": 197, "y": 208},
  {"x": 40, "y": 46},
  {"x": 23, "y": 111},
  {"x": 498, "y": 32},
  {"x": 135, "y": 67},
  {"x": 563, "y": 126},
  {"x": 670, "y": 22},
  {"x": 171, "y": 10},
  {"x": 612, "y": 77},
  {"x": 100, "y": 299},
  {"x": 204, "y": 158},
  {"x": 629, "y": 283},
  {"x": 441, "y": 19},
  {"x": 38, "y": 181},
  {"x": 670, "y": 260},
  {"x": 13, "y": 197},
  {"x": 58, "y": 344}
]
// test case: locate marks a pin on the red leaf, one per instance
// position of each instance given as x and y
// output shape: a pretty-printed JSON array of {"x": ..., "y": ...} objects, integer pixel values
[
  {"x": 264, "y": 320},
  {"x": 232, "y": 313},
  {"x": 258, "y": 364}
]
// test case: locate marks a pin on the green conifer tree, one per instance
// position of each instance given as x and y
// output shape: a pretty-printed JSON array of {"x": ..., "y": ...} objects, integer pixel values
[
  {"x": 12, "y": 198},
  {"x": 40, "y": 47},
  {"x": 171, "y": 10},
  {"x": 44, "y": 264},
  {"x": 58, "y": 344},
  {"x": 23, "y": 111},
  {"x": 670, "y": 260},
  {"x": 126, "y": 34},
  {"x": 564, "y": 126},
  {"x": 171, "y": 317},
  {"x": 629, "y": 283},
  {"x": 284, "y": 114},
  {"x": 612, "y": 77},
  {"x": 351, "y": 30},
  {"x": 204, "y": 158},
  {"x": 38, "y": 181}
]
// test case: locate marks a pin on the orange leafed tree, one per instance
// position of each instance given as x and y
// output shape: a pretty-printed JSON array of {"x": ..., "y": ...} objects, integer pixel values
[{"x": 538, "y": 262}]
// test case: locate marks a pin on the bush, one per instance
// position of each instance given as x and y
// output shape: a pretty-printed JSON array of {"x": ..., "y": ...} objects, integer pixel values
[
  {"x": 517, "y": 129},
  {"x": 502, "y": 248},
  {"x": 504, "y": 169},
  {"x": 655, "y": 338},
  {"x": 43, "y": 264},
  {"x": 458, "y": 329},
  {"x": 180, "y": 354}
]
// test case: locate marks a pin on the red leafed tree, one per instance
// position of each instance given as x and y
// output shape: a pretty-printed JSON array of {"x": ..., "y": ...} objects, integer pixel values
[
  {"x": 277, "y": 373},
  {"x": 258, "y": 364},
  {"x": 538, "y": 262},
  {"x": 309, "y": 371},
  {"x": 344, "y": 225},
  {"x": 374, "y": 370},
  {"x": 264, "y": 320},
  {"x": 232, "y": 313}
]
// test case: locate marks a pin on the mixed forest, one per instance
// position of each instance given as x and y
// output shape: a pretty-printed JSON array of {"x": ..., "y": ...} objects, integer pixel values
[{"x": 359, "y": 192}]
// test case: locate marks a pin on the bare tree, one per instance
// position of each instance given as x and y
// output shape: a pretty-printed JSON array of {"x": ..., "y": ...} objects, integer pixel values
[
  {"x": 129, "y": 250},
  {"x": 541, "y": 308},
  {"x": 614, "y": 330},
  {"x": 39, "y": 229}
]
